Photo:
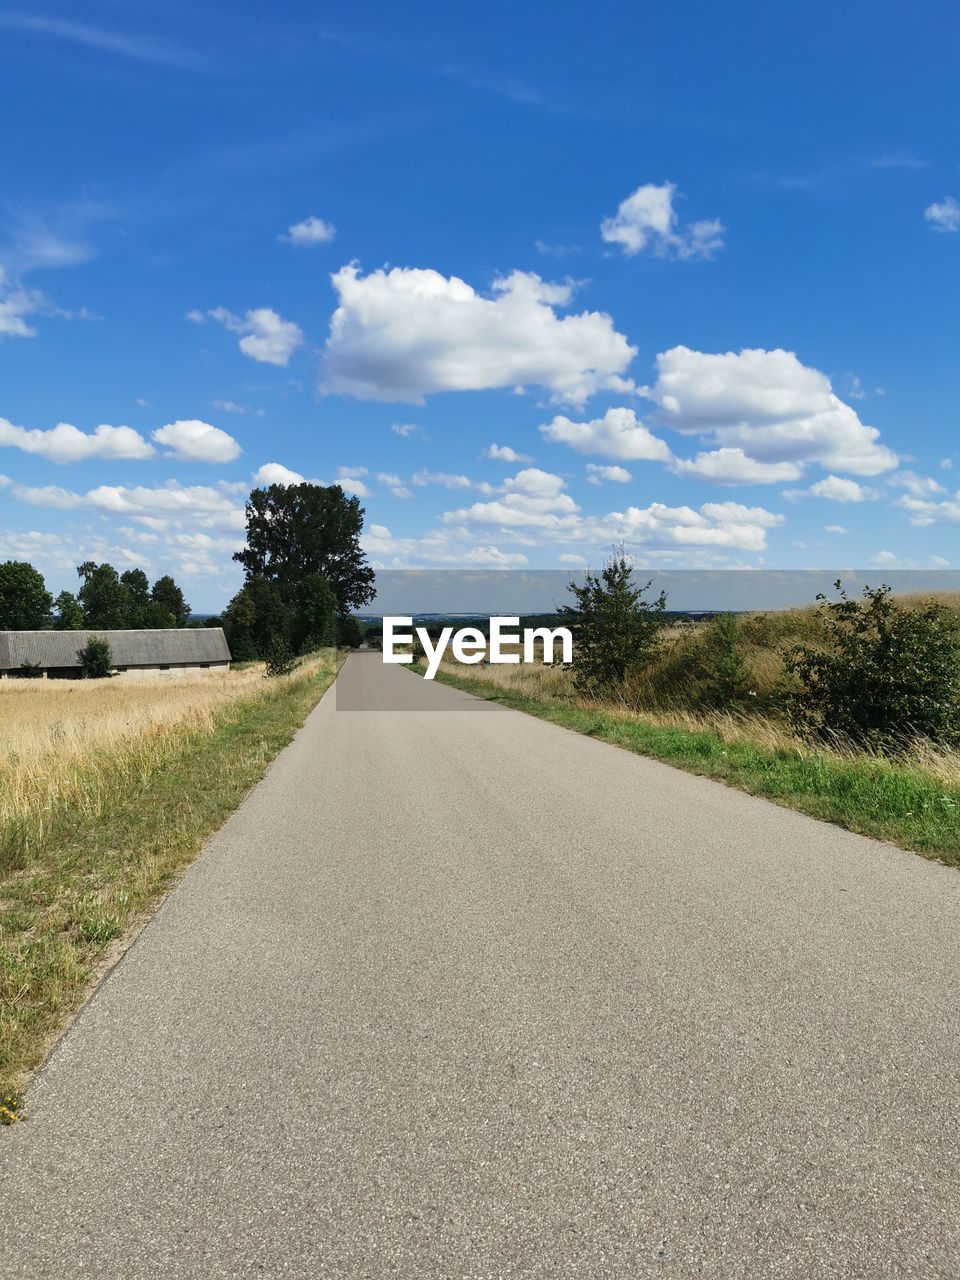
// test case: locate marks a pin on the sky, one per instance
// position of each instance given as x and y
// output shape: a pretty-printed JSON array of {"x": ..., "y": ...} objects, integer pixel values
[{"x": 532, "y": 281}]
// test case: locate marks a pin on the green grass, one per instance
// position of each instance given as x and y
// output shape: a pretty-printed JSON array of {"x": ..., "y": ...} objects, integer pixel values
[
  {"x": 898, "y": 802},
  {"x": 95, "y": 876}
]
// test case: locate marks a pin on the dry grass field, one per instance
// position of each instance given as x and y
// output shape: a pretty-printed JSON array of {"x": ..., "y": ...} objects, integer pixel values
[
  {"x": 69, "y": 741},
  {"x": 107, "y": 790}
]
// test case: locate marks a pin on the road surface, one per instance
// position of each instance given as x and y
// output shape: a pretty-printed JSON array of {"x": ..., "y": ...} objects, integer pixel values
[{"x": 458, "y": 993}]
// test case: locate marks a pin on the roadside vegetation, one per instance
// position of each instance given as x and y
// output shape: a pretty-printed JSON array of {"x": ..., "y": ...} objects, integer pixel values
[
  {"x": 848, "y": 710},
  {"x": 107, "y": 790}
]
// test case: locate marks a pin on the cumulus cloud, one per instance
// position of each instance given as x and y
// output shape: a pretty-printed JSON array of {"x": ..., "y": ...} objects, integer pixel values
[
  {"x": 504, "y": 453},
  {"x": 406, "y": 333},
  {"x": 393, "y": 484},
  {"x": 767, "y": 404},
  {"x": 309, "y": 233},
  {"x": 275, "y": 473},
  {"x": 597, "y": 474},
  {"x": 195, "y": 441},
  {"x": 350, "y": 480},
  {"x": 917, "y": 486},
  {"x": 618, "y": 434},
  {"x": 156, "y": 506},
  {"x": 945, "y": 215},
  {"x": 647, "y": 222},
  {"x": 439, "y": 547},
  {"x": 836, "y": 488},
  {"x": 66, "y": 443},
  {"x": 925, "y": 511},
  {"x": 265, "y": 336},
  {"x": 531, "y": 499},
  {"x": 405, "y": 429},
  {"x": 732, "y": 466}
]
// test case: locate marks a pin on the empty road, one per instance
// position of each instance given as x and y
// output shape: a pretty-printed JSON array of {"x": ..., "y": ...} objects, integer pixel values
[{"x": 457, "y": 993}]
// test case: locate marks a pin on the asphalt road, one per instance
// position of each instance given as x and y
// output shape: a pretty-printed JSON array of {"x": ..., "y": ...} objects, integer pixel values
[{"x": 457, "y": 993}]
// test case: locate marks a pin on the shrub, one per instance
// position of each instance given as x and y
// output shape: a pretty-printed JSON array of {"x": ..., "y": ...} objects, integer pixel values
[
  {"x": 280, "y": 661},
  {"x": 888, "y": 675},
  {"x": 96, "y": 660},
  {"x": 31, "y": 671},
  {"x": 614, "y": 628},
  {"x": 727, "y": 668}
]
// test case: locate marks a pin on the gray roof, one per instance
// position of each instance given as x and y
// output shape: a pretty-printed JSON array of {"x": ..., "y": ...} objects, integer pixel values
[{"x": 173, "y": 646}]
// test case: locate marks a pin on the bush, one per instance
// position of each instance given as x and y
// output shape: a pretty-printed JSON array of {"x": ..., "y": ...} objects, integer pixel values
[
  {"x": 96, "y": 660},
  {"x": 889, "y": 675},
  {"x": 614, "y": 628},
  {"x": 280, "y": 661},
  {"x": 31, "y": 671}
]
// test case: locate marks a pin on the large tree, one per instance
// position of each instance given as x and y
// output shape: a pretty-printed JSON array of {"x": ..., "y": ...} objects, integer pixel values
[
  {"x": 69, "y": 612},
  {"x": 298, "y": 531},
  {"x": 25, "y": 601},
  {"x": 103, "y": 596},
  {"x": 137, "y": 587},
  {"x": 167, "y": 596}
]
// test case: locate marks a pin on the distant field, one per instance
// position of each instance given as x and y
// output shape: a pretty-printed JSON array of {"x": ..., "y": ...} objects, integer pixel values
[{"x": 108, "y": 788}]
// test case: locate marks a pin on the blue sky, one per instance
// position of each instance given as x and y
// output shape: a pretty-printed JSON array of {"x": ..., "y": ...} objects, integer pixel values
[{"x": 693, "y": 273}]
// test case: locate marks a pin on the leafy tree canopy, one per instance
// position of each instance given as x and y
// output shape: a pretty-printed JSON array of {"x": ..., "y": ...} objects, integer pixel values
[
  {"x": 25, "y": 602},
  {"x": 299, "y": 531}
]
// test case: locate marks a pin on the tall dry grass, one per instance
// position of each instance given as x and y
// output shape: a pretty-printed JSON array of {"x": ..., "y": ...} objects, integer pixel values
[{"x": 67, "y": 746}]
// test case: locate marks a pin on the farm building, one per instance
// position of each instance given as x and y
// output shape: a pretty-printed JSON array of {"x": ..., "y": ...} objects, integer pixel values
[{"x": 173, "y": 651}]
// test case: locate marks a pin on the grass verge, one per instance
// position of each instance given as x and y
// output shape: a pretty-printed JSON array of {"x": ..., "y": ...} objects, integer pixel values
[
  {"x": 93, "y": 871},
  {"x": 900, "y": 802}
]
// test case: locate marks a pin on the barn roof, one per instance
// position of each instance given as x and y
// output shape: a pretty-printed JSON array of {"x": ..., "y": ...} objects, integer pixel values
[{"x": 173, "y": 646}]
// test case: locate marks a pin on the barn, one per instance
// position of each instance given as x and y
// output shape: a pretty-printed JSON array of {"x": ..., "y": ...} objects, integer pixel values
[{"x": 170, "y": 651}]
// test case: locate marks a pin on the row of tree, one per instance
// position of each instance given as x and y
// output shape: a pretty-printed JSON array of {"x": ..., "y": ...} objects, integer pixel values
[{"x": 106, "y": 600}]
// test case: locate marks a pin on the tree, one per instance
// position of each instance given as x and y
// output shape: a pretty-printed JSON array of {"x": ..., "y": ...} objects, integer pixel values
[
  {"x": 256, "y": 616},
  {"x": 315, "y": 615},
  {"x": 69, "y": 612},
  {"x": 298, "y": 531},
  {"x": 614, "y": 628},
  {"x": 103, "y": 596},
  {"x": 889, "y": 674},
  {"x": 351, "y": 632},
  {"x": 727, "y": 668},
  {"x": 96, "y": 660},
  {"x": 25, "y": 601},
  {"x": 137, "y": 588},
  {"x": 280, "y": 661},
  {"x": 170, "y": 598}
]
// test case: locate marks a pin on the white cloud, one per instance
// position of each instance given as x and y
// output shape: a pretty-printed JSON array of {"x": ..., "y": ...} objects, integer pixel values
[
  {"x": 406, "y": 333},
  {"x": 16, "y": 303},
  {"x": 157, "y": 506},
  {"x": 393, "y": 484},
  {"x": 231, "y": 406},
  {"x": 274, "y": 473},
  {"x": 504, "y": 453},
  {"x": 944, "y": 216},
  {"x": 597, "y": 474},
  {"x": 442, "y": 478},
  {"x": 835, "y": 528},
  {"x": 618, "y": 434},
  {"x": 531, "y": 499},
  {"x": 405, "y": 429},
  {"x": 769, "y": 405},
  {"x": 66, "y": 443},
  {"x": 350, "y": 481},
  {"x": 647, "y": 221},
  {"x": 916, "y": 486},
  {"x": 439, "y": 547},
  {"x": 925, "y": 512},
  {"x": 737, "y": 513},
  {"x": 732, "y": 466},
  {"x": 836, "y": 488},
  {"x": 195, "y": 441},
  {"x": 309, "y": 233},
  {"x": 265, "y": 336}
]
